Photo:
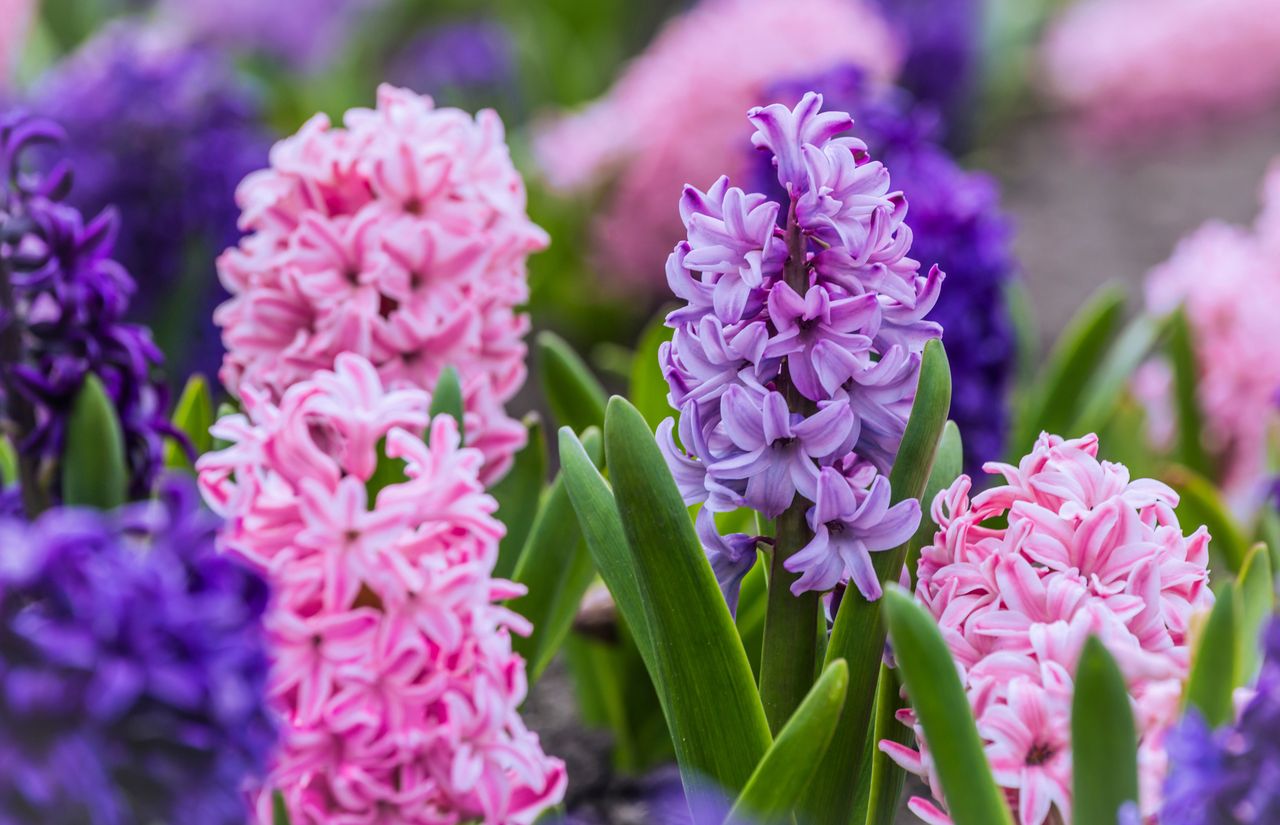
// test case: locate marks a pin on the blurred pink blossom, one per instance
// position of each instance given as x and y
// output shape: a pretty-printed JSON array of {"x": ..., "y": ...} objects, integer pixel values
[
  {"x": 401, "y": 236},
  {"x": 1086, "y": 551},
  {"x": 1147, "y": 64},
  {"x": 15, "y": 20},
  {"x": 1228, "y": 280},
  {"x": 674, "y": 115},
  {"x": 393, "y": 673}
]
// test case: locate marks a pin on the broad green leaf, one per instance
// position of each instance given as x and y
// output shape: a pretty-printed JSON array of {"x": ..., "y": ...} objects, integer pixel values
[
  {"x": 1026, "y": 336},
  {"x": 94, "y": 472},
  {"x": 279, "y": 812},
  {"x": 1201, "y": 503},
  {"x": 1256, "y": 601},
  {"x": 193, "y": 415},
  {"x": 886, "y": 779},
  {"x": 518, "y": 495},
  {"x": 575, "y": 396},
  {"x": 8, "y": 462},
  {"x": 1191, "y": 450},
  {"x": 446, "y": 398},
  {"x": 783, "y": 774},
  {"x": 648, "y": 388},
  {"x": 859, "y": 631},
  {"x": 716, "y": 719},
  {"x": 556, "y": 568},
  {"x": 1110, "y": 381},
  {"x": 938, "y": 698},
  {"x": 1054, "y": 402},
  {"x": 1104, "y": 739},
  {"x": 750, "y": 618},
  {"x": 1213, "y": 667}
]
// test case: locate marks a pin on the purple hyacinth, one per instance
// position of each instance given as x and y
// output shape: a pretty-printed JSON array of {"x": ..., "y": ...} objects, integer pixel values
[
  {"x": 164, "y": 132},
  {"x": 134, "y": 667},
  {"x": 62, "y": 298},
  {"x": 1232, "y": 775},
  {"x": 956, "y": 220},
  {"x": 794, "y": 361},
  {"x": 467, "y": 64}
]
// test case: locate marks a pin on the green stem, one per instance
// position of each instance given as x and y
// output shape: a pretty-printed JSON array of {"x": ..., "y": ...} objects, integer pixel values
[{"x": 789, "y": 657}]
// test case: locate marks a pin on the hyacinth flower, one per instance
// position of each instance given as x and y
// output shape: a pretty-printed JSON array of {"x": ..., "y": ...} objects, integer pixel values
[
  {"x": 62, "y": 301},
  {"x": 401, "y": 236},
  {"x": 135, "y": 667},
  {"x": 956, "y": 221},
  {"x": 392, "y": 670},
  {"x": 1019, "y": 576},
  {"x": 169, "y": 167}
]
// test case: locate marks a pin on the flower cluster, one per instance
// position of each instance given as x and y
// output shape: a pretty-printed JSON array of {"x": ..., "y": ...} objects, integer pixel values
[
  {"x": 62, "y": 298},
  {"x": 393, "y": 670},
  {"x": 135, "y": 667},
  {"x": 795, "y": 357},
  {"x": 402, "y": 237},
  {"x": 956, "y": 221},
  {"x": 1227, "y": 777},
  {"x": 943, "y": 39},
  {"x": 1228, "y": 282},
  {"x": 1084, "y": 551},
  {"x": 170, "y": 168},
  {"x": 655, "y": 141},
  {"x": 1151, "y": 63}
]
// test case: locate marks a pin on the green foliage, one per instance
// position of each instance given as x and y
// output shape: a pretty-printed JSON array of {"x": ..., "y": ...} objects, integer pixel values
[
  {"x": 446, "y": 398},
  {"x": 648, "y": 387},
  {"x": 279, "y": 813},
  {"x": 577, "y": 400},
  {"x": 1110, "y": 381},
  {"x": 518, "y": 495},
  {"x": 1255, "y": 596},
  {"x": 94, "y": 471},
  {"x": 193, "y": 416},
  {"x": 1201, "y": 503},
  {"x": 1104, "y": 739},
  {"x": 1213, "y": 667},
  {"x": 1190, "y": 419}
]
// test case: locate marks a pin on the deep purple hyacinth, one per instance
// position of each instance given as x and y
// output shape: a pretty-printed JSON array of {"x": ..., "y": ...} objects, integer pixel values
[
  {"x": 956, "y": 220},
  {"x": 163, "y": 132},
  {"x": 1230, "y": 776},
  {"x": 467, "y": 64},
  {"x": 62, "y": 300},
  {"x": 795, "y": 358},
  {"x": 134, "y": 667}
]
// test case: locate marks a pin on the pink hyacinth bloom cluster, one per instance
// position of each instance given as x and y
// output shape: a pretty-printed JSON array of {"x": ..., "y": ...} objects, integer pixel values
[
  {"x": 1086, "y": 551},
  {"x": 1227, "y": 278},
  {"x": 721, "y": 56},
  {"x": 393, "y": 672},
  {"x": 402, "y": 237},
  {"x": 1150, "y": 63}
]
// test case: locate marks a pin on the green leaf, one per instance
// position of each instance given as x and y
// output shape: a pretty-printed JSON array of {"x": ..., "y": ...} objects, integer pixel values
[
  {"x": 1113, "y": 375},
  {"x": 938, "y": 698},
  {"x": 1213, "y": 667},
  {"x": 1201, "y": 503},
  {"x": 1191, "y": 450},
  {"x": 751, "y": 610},
  {"x": 518, "y": 495},
  {"x": 556, "y": 568},
  {"x": 279, "y": 812},
  {"x": 94, "y": 472},
  {"x": 784, "y": 773},
  {"x": 713, "y": 710},
  {"x": 948, "y": 464},
  {"x": 446, "y": 398},
  {"x": 193, "y": 415},
  {"x": 1256, "y": 597},
  {"x": 1025, "y": 334},
  {"x": 859, "y": 631},
  {"x": 575, "y": 396},
  {"x": 1104, "y": 739},
  {"x": 648, "y": 388},
  {"x": 1053, "y": 403},
  {"x": 8, "y": 462}
]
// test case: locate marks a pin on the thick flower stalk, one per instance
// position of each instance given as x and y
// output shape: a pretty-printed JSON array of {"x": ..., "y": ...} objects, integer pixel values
[
  {"x": 170, "y": 168},
  {"x": 1145, "y": 65},
  {"x": 393, "y": 673},
  {"x": 1228, "y": 776},
  {"x": 135, "y": 666},
  {"x": 956, "y": 221},
  {"x": 62, "y": 301},
  {"x": 401, "y": 237},
  {"x": 647, "y": 143},
  {"x": 1086, "y": 551}
]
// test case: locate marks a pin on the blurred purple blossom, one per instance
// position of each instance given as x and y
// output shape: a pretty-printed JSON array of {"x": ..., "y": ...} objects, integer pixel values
[{"x": 470, "y": 64}]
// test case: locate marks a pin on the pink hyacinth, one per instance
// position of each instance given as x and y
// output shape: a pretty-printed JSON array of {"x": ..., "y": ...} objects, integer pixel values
[
  {"x": 393, "y": 674},
  {"x": 1150, "y": 63},
  {"x": 1228, "y": 280},
  {"x": 720, "y": 56},
  {"x": 401, "y": 236},
  {"x": 1086, "y": 551}
]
